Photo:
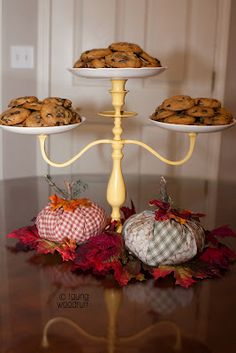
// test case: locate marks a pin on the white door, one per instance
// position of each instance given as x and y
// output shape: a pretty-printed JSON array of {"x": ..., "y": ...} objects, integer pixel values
[{"x": 189, "y": 37}]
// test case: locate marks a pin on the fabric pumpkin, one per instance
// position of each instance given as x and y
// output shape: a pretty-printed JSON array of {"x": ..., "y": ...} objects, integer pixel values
[
  {"x": 70, "y": 219},
  {"x": 163, "y": 237}
]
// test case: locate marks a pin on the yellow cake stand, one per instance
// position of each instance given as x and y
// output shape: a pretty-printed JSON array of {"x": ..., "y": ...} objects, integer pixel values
[{"x": 116, "y": 190}]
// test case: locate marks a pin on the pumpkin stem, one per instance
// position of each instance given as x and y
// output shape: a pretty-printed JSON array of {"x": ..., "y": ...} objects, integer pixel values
[
  {"x": 72, "y": 188},
  {"x": 69, "y": 186},
  {"x": 55, "y": 187},
  {"x": 163, "y": 191}
]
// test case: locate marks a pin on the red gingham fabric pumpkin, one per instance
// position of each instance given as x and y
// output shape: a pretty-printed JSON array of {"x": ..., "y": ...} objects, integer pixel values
[{"x": 80, "y": 224}]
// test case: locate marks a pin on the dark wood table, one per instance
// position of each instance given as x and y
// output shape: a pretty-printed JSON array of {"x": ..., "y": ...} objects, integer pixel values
[{"x": 49, "y": 309}]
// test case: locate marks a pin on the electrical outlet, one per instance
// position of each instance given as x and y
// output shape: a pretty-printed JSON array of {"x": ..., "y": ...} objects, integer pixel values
[{"x": 22, "y": 57}]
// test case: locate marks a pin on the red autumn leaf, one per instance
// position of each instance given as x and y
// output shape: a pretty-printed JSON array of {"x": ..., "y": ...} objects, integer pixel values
[
  {"x": 66, "y": 249},
  {"x": 165, "y": 206},
  {"x": 165, "y": 212},
  {"x": 99, "y": 253},
  {"x": 223, "y": 232},
  {"x": 26, "y": 235},
  {"x": 162, "y": 271},
  {"x": 128, "y": 211},
  {"x": 228, "y": 253},
  {"x": 183, "y": 276},
  {"x": 161, "y": 215},
  {"x": 219, "y": 257},
  {"x": 121, "y": 275}
]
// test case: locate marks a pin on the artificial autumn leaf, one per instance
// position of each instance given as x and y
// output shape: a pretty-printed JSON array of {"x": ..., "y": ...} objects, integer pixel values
[
  {"x": 165, "y": 212},
  {"x": 177, "y": 218},
  {"x": 121, "y": 275},
  {"x": 161, "y": 272},
  {"x": 26, "y": 235},
  {"x": 128, "y": 211},
  {"x": 67, "y": 205},
  {"x": 67, "y": 249},
  {"x": 220, "y": 232},
  {"x": 46, "y": 247},
  {"x": 183, "y": 276},
  {"x": 220, "y": 256},
  {"x": 223, "y": 232}
]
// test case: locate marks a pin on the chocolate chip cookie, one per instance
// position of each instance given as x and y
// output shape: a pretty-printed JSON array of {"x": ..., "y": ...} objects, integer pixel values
[
  {"x": 16, "y": 102},
  {"x": 14, "y": 116},
  {"x": 58, "y": 101},
  {"x": 55, "y": 115},
  {"x": 178, "y": 103}
]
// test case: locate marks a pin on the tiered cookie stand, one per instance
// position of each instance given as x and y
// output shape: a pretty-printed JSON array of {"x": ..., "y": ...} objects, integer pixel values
[{"x": 116, "y": 190}]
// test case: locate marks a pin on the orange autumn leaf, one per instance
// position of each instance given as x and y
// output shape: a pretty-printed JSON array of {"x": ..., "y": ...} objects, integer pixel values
[
  {"x": 67, "y": 205},
  {"x": 177, "y": 218}
]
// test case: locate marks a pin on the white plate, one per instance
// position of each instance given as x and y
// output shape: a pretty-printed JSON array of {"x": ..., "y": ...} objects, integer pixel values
[
  {"x": 192, "y": 128},
  {"x": 48, "y": 130},
  {"x": 118, "y": 73}
]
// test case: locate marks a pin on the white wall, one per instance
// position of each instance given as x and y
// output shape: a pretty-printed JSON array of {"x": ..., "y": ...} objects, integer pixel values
[
  {"x": 227, "y": 169},
  {"x": 19, "y": 27}
]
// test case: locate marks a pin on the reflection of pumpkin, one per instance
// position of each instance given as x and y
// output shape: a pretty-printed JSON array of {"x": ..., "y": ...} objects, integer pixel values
[
  {"x": 56, "y": 223},
  {"x": 162, "y": 300},
  {"x": 163, "y": 237}
]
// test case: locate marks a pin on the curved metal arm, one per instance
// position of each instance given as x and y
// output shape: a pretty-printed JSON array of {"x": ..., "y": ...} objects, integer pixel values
[
  {"x": 192, "y": 140},
  {"x": 70, "y": 322},
  {"x": 45, "y": 343},
  {"x": 174, "y": 326},
  {"x": 42, "y": 139}
]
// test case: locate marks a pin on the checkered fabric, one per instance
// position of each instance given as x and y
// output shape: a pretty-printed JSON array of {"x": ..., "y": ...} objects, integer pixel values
[
  {"x": 160, "y": 300},
  {"x": 162, "y": 242},
  {"x": 64, "y": 278},
  {"x": 80, "y": 225}
]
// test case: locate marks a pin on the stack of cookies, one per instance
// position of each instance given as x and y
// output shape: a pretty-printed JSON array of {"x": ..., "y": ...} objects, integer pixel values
[
  {"x": 117, "y": 55},
  {"x": 185, "y": 110},
  {"x": 30, "y": 112}
]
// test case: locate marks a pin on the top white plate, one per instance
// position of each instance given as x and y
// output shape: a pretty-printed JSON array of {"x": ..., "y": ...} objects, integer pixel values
[
  {"x": 118, "y": 73},
  {"x": 48, "y": 130},
  {"x": 192, "y": 128}
]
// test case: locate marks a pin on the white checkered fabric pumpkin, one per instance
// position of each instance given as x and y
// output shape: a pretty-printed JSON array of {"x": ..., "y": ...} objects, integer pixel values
[
  {"x": 80, "y": 225},
  {"x": 162, "y": 242}
]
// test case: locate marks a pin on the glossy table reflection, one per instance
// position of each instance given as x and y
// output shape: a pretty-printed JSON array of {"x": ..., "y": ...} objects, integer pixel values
[{"x": 48, "y": 309}]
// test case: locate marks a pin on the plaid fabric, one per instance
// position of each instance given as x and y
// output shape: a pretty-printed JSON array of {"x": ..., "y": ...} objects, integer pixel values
[
  {"x": 64, "y": 278},
  {"x": 160, "y": 300},
  {"x": 162, "y": 242},
  {"x": 80, "y": 225},
  {"x": 138, "y": 232}
]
